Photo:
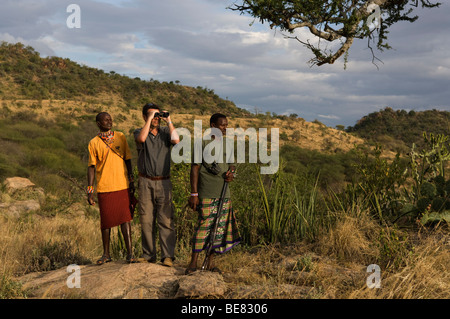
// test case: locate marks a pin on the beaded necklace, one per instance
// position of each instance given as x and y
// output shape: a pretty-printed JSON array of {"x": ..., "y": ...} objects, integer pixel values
[{"x": 108, "y": 137}]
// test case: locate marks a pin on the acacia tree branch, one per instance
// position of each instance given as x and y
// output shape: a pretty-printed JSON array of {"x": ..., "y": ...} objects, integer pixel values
[{"x": 331, "y": 21}]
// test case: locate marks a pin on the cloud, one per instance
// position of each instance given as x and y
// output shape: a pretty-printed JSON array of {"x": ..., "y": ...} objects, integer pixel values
[{"x": 329, "y": 117}]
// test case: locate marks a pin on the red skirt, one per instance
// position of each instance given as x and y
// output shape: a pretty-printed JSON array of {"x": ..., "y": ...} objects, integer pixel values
[{"x": 114, "y": 208}]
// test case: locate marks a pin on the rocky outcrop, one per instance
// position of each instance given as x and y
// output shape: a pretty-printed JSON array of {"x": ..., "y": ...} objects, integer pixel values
[
  {"x": 20, "y": 197},
  {"x": 119, "y": 280},
  {"x": 201, "y": 284},
  {"x": 14, "y": 184}
]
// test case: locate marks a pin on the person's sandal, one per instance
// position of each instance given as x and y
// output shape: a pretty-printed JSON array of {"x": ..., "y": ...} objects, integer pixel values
[
  {"x": 131, "y": 260},
  {"x": 103, "y": 260}
]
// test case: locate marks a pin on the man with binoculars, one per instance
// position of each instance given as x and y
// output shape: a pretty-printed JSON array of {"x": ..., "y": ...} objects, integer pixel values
[{"x": 153, "y": 144}]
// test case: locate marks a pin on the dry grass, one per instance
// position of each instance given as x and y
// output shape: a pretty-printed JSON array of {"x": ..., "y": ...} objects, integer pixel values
[
  {"x": 333, "y": 267},
  {"x": 424, "y": 276},
  {"x": 351, "y": 239},
  {"x": 22, "y": 243},
  {"x": 336, "y": 266}
]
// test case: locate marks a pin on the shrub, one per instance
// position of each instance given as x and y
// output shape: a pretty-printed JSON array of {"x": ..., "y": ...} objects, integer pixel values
[{"x": 54, "y": 255}]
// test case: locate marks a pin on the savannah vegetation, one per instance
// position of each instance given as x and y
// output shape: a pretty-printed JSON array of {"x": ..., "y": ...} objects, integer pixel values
[
  {"x": 330, "y": 213},
  {"x": 398, "y": 130}
]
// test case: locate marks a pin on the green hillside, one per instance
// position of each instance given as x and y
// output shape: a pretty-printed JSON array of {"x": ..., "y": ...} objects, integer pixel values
[
  {"x": 26, "y": 75},
  {"x": 398, "y": 130}
]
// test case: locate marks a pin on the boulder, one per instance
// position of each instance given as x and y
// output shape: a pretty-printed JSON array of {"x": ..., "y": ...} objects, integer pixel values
[
  {"x": 19, "y": 188},
  {"x": 13, "y": 184},
  {"x": 119, "y": 280},
  {"x": 201, "y": 284}
]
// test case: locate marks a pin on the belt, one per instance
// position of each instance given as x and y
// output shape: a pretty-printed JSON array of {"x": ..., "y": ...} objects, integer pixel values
[{"x": 154, "y": 178}]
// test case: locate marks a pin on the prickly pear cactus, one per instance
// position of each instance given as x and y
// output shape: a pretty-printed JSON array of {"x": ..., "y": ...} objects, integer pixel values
[{"x": 434, "y": 203}]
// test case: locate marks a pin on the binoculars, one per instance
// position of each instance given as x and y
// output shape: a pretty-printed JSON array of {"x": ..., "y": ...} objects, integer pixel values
[{"x": 162, "y": 114}]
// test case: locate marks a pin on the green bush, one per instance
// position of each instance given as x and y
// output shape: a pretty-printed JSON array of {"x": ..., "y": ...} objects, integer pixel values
[
  {"x": 49, "y": 142},
  {"x": 395, "y": 247},
  {"x": 10, "y": 288},
  {"x": 431, "y": 190}
]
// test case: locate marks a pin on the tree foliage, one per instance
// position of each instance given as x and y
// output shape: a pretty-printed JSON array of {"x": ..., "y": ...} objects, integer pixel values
[{"x": 335, "y": 21}]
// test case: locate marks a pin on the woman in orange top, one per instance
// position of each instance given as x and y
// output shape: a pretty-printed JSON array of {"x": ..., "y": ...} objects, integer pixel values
[{"x": 110, "y": 162}]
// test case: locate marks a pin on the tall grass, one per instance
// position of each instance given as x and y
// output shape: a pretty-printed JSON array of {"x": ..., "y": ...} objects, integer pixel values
[
  {"x": 308, "y": 220},
  {"x": 293, "y": 210},
  {"x": 276, "y": 210},
  {"x": 118, "y": 250},
  {"x": 35, "y": 244}
]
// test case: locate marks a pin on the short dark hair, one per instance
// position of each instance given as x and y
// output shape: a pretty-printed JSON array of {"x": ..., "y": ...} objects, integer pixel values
[
  {"x": 100, "y": 115},
  {"x": 149, "y": 106},
  {"x": 215, "y": 117}
]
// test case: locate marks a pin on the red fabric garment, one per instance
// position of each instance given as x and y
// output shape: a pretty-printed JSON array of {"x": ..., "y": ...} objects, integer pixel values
[{"x": 114, "y": 208}]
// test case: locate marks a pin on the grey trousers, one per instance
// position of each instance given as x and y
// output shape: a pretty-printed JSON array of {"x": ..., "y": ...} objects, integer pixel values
[{"x": 155, "y": 203}]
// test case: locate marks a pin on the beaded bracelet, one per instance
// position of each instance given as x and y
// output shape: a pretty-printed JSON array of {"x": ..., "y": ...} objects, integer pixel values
[
  {"x": 194, "y": 194},
  {"x": 90, "y": 189}
]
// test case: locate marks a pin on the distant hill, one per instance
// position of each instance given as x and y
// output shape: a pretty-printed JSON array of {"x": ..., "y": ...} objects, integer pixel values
[
  {"x": 26, "y": 75},
  {"x": 398, "y": 130}
]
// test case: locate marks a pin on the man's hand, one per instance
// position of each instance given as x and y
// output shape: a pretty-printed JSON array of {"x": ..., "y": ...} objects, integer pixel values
[
  {"x": 193, "y": 202},
  {"x": 166, "y": 119},
  {"x": 91, "y": 199},
  {"x": 131, "y": 187},
  {"x": 229, "y": 176},
  {"x": 150, "y": 114},
  {"x": 90, "y": 191}
]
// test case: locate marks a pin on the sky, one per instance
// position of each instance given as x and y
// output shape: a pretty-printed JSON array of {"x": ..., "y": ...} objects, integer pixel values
[{"x": 203, "y": 43}]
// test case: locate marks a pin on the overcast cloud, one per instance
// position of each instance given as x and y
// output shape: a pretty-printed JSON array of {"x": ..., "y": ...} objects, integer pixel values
[{"x": 201, "y": 43}]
